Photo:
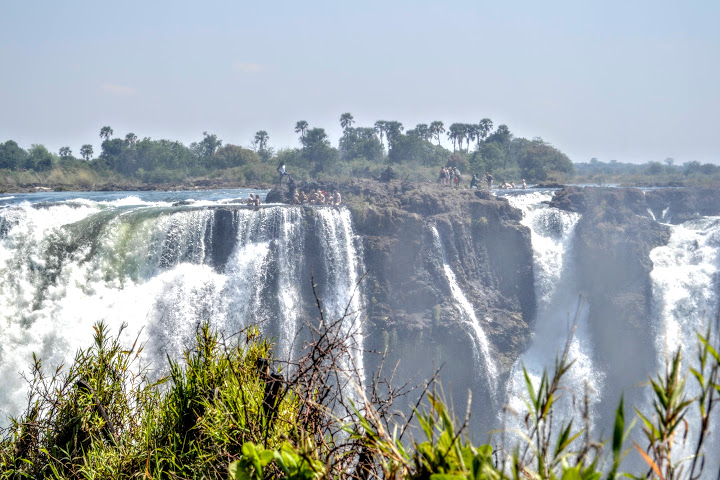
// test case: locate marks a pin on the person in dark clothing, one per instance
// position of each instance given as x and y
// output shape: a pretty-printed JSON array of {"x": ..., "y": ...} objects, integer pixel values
[
  {"x": 489, "y": 179},
  {"x": 474, "y": 181}
]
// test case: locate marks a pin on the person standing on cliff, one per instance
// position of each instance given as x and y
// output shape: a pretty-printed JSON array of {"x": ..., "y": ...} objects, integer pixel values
[
  {"x": 281, "y": 171},
  {"x": 489, "y": 179}
]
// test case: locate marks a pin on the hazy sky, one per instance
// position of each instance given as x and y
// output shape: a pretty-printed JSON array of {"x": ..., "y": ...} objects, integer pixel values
[{"x": 625, "y": 80}]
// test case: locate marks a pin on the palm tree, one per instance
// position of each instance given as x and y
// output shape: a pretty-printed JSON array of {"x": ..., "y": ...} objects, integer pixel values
[
  {"x": 380, "y": 128},
  {"x": 301, "y": 127},
  {"x": 437, "y": 128},
  {"x": 131, "y": 138},
  {"x": 422, "y": 131},
  {"x": 261, "y": 139},
  {"x": 65, "y": 152},
  {"x": 485, "y": 126},
  {"x": 393, "y": 130},
  {"x": 473, "y": 134},
  {"x": 346, "y": 121},
  {"x": 86, "y": 151},
  {"x": 106, "y": 133}
]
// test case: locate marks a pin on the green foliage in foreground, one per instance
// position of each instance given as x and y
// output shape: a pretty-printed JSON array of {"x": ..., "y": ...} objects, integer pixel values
[{"x": 218, "y": 415}]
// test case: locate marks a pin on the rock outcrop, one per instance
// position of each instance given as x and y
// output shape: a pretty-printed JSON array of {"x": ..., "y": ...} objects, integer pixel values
[{"x": 411, "y": 311}]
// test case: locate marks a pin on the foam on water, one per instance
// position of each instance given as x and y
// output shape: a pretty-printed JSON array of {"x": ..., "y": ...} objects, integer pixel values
[
  {"x": 685, "y": 294},
  {"x": 67, "y": 265},
  {"x": 557, "y": 296}
]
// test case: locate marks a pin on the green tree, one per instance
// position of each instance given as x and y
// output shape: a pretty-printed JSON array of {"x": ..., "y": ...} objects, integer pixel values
[
  {"x": 301, "y": 127},
  {"x": 536, "y": 159},
  {"x": 230, "y": 156},
  {"x": 422, "y": 131},
  {"x": 106, "y": 133},
  {"x": 393, "y": 130},
  {"x": 456, "y": 134},
  {"x": 112, "y": 153},
  {"x": 131, "y": 138},
  {"x": 485, "y": 128},
  {"x": 39, "y": 159},
  {"x": 86, "y": 151},
  {"x": 381, "y": 129},
  {"x": 260, "y": 140},
  {"x": 318, "y": 151},
  {"x": 206, "y": 148},
  {"x": 437, "y": 128},
  {"x": 361, "y": 143},
  {"x": 11, "y": 155},
  {"x": 65, "y": 152},
  {"x": 346, "y": 121},
  {"x": 411, "y": 148}
]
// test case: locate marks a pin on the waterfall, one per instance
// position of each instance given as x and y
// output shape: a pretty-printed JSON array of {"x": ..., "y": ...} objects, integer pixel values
[
  {"x": 685, "y": 295},
  {"x": 164, "y": 270},
  {"x": 343, "y": 267},
  {"x": 551, "y": 235},
  {"x": 481, "y": 346}
]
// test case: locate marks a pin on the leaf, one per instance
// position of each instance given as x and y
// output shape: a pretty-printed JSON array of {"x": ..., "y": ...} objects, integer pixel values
[
  {"x": 649, "y": 461},
  {"x": 447, "y": 476},
  {"x": 618, "y": 429}
]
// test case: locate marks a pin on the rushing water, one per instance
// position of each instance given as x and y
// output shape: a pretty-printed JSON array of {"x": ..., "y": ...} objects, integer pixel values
[
  {"x": 685, "y": 293},
  {"x": 163, "y": 264},
  {"x": 481, "y": 346},
  {"x": 558, "y": 300}
]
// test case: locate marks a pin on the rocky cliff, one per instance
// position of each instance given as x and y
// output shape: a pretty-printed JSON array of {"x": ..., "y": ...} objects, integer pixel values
[{"x": 411, "y": 311}]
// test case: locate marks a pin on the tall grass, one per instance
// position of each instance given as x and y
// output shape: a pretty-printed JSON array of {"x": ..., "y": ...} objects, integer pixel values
[{"x": 228, "y": 409}]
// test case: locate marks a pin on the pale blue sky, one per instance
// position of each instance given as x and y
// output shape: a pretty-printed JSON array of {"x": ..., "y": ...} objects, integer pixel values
[{"x": 624, "y": 80}]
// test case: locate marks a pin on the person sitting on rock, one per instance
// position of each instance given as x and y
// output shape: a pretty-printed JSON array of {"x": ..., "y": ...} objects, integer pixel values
[
  {"x": 338, "y": 199},
  {"x": 251, "y": 200},
  {"x": 474, "y": 181},
  {"x": 257, "y": 200}
]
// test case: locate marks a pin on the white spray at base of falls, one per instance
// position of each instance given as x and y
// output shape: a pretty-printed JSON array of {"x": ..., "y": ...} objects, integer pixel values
[
  {"x": 163, "y": 271},
  {"x": 685, "y": 281},
  {"x": 481, "y": 346},
  {"x": 557, "y": 302}
]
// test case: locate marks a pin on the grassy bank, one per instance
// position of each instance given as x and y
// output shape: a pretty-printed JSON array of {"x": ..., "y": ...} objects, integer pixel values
[{"x": 229, "y": 409}]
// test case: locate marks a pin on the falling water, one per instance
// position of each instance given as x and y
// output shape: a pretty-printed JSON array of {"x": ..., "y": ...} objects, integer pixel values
[
  {"x": 555, "y": 288},
  {"x": 163, "y": 270},
  {"x": 481, "y": 345},
  {"x": 685, "y": 293}
]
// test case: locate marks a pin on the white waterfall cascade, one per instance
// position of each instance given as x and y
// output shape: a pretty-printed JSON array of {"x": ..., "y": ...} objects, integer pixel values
[
  {"x": 685, "y": 279},
  {"x": 343, "y": 264},
  {"x": 67, "y": 265},
  {"x": 557, "y": 302},
  {"x": 481, "y": 346}
]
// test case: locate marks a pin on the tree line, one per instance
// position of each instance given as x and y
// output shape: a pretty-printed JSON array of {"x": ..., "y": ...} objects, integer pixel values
[{"x": 362, "y": 151}]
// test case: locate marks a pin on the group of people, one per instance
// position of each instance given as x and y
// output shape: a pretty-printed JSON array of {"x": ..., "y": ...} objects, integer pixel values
[
  {"x": 317, "y": 197},
  {"x": 449, "y": 176},
  {"x": 475, "y": 182},
  {"x": 508, "y": 185},
  {"x": 253, "y": 200}
]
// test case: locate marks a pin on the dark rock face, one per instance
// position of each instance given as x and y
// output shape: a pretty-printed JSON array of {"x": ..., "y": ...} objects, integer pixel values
[
  {"x": 411, "y": 311},
  {"x": 678, "y": 205}
]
